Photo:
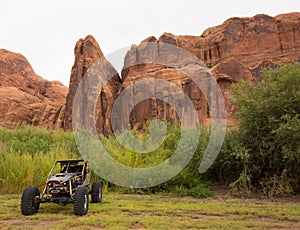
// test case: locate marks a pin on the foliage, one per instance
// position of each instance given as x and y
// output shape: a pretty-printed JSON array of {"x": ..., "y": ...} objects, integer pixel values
[
  {"x": 269, "y": 127},
  {"x": 34, "y": 140},
  {"x": 201, "y": 190},
  {"x": 231, "y": 161},
  {"x": 27, "y": 154},
  {"x": 187, "y": 179},
  {"x": 262, "y": 153}
]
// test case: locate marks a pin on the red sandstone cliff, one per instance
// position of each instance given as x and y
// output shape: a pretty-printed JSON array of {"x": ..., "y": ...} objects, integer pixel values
[
  {"x": 87, "y": 53},
  {"x": 238, "y": 49},
  {"x": 27, "y": 98}
]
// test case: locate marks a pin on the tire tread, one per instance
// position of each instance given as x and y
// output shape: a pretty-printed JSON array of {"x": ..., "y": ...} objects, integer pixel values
[
  {"x": 96, "y": 186},
  {"x": 28, "y": 196},
  {"x": 79, "y": 200}
]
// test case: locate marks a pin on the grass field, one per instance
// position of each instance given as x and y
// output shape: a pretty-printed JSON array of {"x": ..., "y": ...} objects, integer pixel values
[{"x": 119, "y": 211}]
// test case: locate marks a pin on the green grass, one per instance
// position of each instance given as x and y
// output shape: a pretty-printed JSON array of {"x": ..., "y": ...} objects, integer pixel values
[
  {"x": 156, "y": 212},
  {"x": 28, "y": 153},
  {"x": 19, "y": 170}
]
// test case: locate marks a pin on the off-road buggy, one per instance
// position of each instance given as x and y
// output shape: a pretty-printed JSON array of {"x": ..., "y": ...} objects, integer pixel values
[{"x": 68, "y": 182}]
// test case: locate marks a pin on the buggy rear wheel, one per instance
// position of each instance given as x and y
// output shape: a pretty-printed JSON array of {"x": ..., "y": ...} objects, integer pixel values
[{"x": 96, "y": 192}]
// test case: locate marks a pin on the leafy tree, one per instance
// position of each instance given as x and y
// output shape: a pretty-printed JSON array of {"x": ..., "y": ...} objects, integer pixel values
[{"x": 269, "y": 127}]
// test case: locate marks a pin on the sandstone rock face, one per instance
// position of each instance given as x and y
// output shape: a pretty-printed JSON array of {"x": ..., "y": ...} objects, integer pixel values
[
  {"x": 27, "y": 98},
  {"x": 153, "y": 60},
  {"x": 238, "y": 49},
  {"x": 87, "y": 56}
]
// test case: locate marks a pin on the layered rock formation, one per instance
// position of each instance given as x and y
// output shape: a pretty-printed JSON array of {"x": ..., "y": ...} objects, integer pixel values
[
  {"x": 89, "y": 57},
  {"x": 27, "y": 98},
  {"x": 238, "y": 49},
  {"x": 161, "y": 59}
]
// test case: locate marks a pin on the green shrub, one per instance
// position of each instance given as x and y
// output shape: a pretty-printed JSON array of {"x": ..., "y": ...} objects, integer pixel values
[
  {"x": 200, "y": 191},
  {"x": 269, "y": 129}
]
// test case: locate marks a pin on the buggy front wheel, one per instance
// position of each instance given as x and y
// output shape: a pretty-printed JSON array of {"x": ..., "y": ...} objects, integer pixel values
[
  {"x": 81, "y": 201},
  {"x": 29, "y": 201}
]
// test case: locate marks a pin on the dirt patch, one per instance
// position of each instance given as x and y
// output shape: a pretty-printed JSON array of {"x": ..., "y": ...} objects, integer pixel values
[
  {"x": 284, "y": 224},
  {"x": 28, "y": 223},
  {"x": 137, "y": 225},
  {"x": 222, "y": 191}
]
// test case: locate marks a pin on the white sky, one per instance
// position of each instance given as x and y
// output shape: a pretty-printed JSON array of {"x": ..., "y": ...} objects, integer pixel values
[{"x": 45, "y": 32}]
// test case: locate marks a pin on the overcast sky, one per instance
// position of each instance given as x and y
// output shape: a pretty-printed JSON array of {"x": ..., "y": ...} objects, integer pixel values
[{"x": 45, "y": 32}]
